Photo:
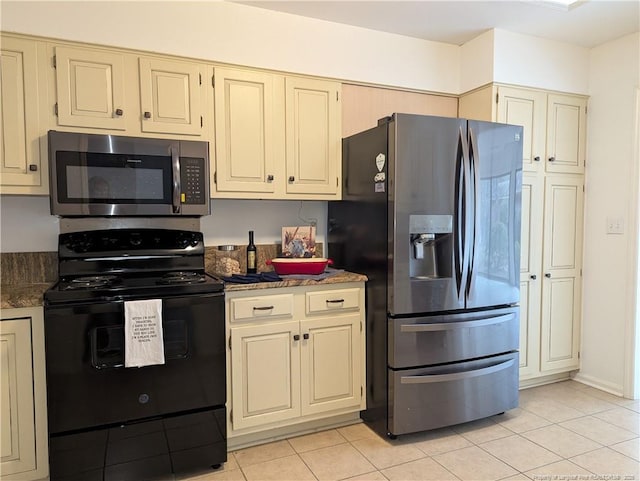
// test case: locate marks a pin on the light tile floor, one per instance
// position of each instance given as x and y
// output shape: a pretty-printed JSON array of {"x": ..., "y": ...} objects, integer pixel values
[{"x": 561, "y": 431}]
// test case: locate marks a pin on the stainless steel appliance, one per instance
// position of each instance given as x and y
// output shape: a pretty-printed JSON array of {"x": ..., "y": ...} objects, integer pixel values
[
  {"x": 431, "y": 214},
  {"x": 111, "y": 422},
  {"x": 109, "y": 175}
]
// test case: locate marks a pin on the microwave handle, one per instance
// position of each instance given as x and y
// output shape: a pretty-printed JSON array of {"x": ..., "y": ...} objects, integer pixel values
[{"x": 175, "y": 164}]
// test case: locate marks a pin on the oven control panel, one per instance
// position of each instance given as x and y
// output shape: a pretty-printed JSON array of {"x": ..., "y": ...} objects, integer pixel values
[{"x": 192, "y": 181}]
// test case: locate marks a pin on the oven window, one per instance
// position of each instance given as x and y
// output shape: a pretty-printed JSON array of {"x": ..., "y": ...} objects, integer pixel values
[
  {"x": 113, "y": 178},
  {"x": 107, "y": 343}
]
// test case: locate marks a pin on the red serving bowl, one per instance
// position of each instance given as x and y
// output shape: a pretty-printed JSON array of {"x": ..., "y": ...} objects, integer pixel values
[{"x": 294, "y": 265}]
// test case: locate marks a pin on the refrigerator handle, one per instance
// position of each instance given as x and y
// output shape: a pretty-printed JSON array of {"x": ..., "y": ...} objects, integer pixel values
[
  {"x": 474, "y": 159},
  {"x": 460, "y": 212}
]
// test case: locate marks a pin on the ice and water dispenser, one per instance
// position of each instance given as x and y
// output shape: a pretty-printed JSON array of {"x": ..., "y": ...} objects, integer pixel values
[{"x": 431, "y": 246}]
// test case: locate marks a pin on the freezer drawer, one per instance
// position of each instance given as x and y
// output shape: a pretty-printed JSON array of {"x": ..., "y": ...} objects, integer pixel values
[
  {"x": 429, "y": 398},
  {"x": 423, "y": 341}
]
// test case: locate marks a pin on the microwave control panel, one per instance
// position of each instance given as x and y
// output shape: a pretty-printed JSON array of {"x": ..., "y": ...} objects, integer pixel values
[{"x": 192, "y": 180}]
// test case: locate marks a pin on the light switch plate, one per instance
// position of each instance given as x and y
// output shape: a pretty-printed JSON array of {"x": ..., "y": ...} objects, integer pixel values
[{"x": 615, "y": 225}]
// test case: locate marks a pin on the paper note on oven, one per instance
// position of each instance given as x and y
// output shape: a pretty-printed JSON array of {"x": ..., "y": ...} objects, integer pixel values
[{"x": 143, "y": 341}]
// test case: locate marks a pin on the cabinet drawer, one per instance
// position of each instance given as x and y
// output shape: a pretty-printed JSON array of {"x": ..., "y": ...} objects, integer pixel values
[
  {"x": 335, "y": 300},
  {"x": 262, "y": 307}
]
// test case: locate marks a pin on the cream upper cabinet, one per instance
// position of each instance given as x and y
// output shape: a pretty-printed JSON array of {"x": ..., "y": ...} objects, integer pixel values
[
  {"x": 313, "y": 141},
  {"x": 295, "y": 355},
  {"x": 246, "y": 132},
  {"x": 276, "y": 137},
  {"x": 90, "y": 87},
  {"x": 528, "y": 109},
  {"x": 170, "y": 96},
  {"x": 562, "y": 273},
  {"x": 566, "y": 133},
  {"x": 23, "y": 430},
  {"x": 554, "y": 124},
  {"x": 109, "y": 90},
  {"x": 22, "y": 168}
]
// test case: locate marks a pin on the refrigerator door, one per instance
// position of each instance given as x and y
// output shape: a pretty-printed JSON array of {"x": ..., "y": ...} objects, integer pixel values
[
  {"x": 427, "y": 208},
  {"x": 495, "y": 157}
]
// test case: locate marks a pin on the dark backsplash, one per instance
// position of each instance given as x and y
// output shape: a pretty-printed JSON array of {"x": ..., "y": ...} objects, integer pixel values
[{"x": 42, "y": 267}]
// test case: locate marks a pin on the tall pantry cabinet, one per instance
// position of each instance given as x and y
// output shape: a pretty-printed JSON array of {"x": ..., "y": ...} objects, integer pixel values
[{"x": 552, "y": 219}]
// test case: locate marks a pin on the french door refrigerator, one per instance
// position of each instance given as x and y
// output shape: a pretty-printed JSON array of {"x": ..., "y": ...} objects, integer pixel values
[{"x": 430, "y": 212}]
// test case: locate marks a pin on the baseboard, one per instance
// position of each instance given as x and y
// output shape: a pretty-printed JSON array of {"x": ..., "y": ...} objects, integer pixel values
[
  {"x": 269, "y": 435},
  {"x": 611, "y": 388},
  {"x": 542, "y": 380}
]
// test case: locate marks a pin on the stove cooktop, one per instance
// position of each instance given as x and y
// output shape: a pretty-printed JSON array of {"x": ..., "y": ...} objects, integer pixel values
[{"x": 99, "y": 288}]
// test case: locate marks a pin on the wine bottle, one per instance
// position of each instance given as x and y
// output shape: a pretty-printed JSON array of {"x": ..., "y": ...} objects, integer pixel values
[{"x": 251, "y": 255}]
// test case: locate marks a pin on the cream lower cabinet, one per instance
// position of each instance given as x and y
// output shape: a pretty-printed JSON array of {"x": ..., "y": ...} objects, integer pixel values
[
  {"x": 551, "y": 274},
  {"x": 21, "y": 167},
  {"x": 295, "y": 355},
  {"x": 277, "y": 137},
  {"x": 23, "y": 431}
]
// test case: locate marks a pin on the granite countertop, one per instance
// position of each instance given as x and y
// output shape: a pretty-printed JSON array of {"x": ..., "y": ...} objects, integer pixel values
[
  {"x": 339, "y": 278},
  {"x": 30, "y": 294},
  {"x": 22, "y": 295}
]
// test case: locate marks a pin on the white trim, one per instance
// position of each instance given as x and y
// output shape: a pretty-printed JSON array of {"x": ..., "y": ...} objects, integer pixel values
[
  {"x": 631, "y": 388},
  {"x": 611, "y": 388}
]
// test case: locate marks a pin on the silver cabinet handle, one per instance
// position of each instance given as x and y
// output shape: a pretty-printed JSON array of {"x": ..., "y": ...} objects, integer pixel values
[
  {"x": 270, "y": 178},
  {"x": 291, "y": 179},
  {"x": 456, "y": 376},
  {"x": 548, "y": 275},
  {"x": 533, "y": 277},
  {"x": 119, "y": 112},
  {"x": 552, "y": 159},
  {"x": 448, "y": 326},
  {"x": 147, "y": 115},
  {"x": 536, "y": 158},
  {"x": 334, "y": 301}
]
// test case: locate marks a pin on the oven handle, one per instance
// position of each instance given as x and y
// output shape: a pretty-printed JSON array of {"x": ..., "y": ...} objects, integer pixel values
[
  {"x": 175, "y": 164},
  {"x": 448, "y": 326},
  {"x": 456, "y": 376}
]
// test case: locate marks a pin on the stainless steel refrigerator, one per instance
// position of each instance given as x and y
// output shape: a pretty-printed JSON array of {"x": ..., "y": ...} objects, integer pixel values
[{"x": 431, "y": 214}]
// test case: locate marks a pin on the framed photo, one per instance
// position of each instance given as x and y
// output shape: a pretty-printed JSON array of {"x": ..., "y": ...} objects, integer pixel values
[{"x": 299, "y": 241}]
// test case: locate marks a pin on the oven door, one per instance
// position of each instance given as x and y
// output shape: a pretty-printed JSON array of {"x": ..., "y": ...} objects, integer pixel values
[
  {"x": 106, "y": 175},
  {"x": 88, "y": 385}
]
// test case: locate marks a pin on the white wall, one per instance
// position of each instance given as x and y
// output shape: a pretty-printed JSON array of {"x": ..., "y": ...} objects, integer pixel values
[
  {"x": 27, "y": 225},
  {"x": 476, "y": 62},
  {"x": 541, "y": 63},
  {"x": 239, "y": 34},
  {"x": 611, "y": 191}
]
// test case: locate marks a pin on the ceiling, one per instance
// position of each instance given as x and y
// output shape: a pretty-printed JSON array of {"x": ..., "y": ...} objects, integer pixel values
[{"x": 587, "y": 24}]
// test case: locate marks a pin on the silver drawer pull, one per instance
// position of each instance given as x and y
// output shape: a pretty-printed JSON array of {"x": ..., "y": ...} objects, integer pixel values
[
  {"x": 335, "y": 301},
  {"x": 264, "y": 308},
  {"x": 447, "y": 326},
  {"x": 456, "y": 376}
]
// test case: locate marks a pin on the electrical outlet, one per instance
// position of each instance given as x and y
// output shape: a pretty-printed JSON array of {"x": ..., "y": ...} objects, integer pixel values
[{"x": 615, "y": 225}]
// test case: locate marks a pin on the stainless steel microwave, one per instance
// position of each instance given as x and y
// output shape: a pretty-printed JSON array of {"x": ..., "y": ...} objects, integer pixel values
[{"x": 109, "y": 175}]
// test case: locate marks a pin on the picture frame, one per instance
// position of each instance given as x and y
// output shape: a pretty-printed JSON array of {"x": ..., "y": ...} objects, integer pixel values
[{"x": 299, "y": 241}]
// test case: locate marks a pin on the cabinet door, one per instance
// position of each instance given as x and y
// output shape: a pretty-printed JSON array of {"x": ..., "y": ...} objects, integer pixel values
[
  {"x": 265, "y": 379},
  {"x": 566, "y": 133},
  {"x": 312, "y": 136},
  {"x": 528, "y": 109},
  {"x": 170, "y": 97},
  {"x": 18, "y": 443},
  {"x": 330, "y": 363},
  {"x": 245, "y": 136},
  {"x": 562, "y": 258},
  {"x": 19, "y": 146},
  {"x": 90, "y": 88},
  {"x": 530, "y": 274}
]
